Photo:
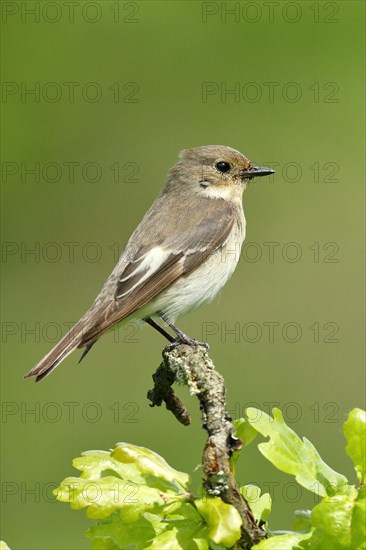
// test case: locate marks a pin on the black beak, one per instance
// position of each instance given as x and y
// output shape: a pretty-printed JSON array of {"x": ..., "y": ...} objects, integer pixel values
[{"x": 256, "y": 171}]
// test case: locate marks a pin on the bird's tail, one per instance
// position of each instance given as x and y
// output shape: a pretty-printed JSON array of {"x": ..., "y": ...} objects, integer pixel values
[{"x": 62, "y": 349}]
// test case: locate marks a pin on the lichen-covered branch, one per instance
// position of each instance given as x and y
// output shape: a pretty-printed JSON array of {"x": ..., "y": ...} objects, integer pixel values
[{"x": 192, "y": 366}]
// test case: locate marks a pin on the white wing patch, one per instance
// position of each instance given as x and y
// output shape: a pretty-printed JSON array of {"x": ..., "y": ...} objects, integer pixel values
[{"x": 153, "y": 259}]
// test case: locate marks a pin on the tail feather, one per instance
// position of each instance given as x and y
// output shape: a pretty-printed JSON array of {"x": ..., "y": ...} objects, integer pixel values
[
  {"x": 57, "y": 354},
  {"x": 88, "y": 347}
]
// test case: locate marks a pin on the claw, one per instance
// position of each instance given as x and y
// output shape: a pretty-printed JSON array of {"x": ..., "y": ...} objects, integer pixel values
[{"x": 187, "y": 341}]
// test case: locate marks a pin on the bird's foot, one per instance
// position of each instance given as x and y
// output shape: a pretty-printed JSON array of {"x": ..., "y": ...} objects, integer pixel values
[
  {"x": 181, "y": 337},
  {"x": 187, "y": 340}
]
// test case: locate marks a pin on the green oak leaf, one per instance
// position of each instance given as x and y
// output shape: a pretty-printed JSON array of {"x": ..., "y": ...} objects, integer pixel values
[
  {"x": 246, "y": 433},
  {"x": 302, "y": 521},
  {"x": 259, "y": 504},
  {"x": 355, "y": 431},
  {"x": 104, "y": 496},
  {"x": 95, "y": 464},
  {"x": 184, "y": 529},
  {"x": 130, "y": 479},
  {"x": 294, "y": 456},
  {"x": 290, "y": 541},
  {"x": 223, "y": 520},
  {"x": 115, "y": 534},
  {"x": 148, "y": 462},
  {"x": 331, "y": 523},
  {"x": 358, "y": 521},
  {"x": 178, "y": 539}
]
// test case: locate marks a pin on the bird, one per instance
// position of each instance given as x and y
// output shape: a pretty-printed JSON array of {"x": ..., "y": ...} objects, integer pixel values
[{"x": 178, "y": 258}]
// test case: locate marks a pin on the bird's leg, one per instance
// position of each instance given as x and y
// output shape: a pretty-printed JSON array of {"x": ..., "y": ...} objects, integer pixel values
[
  {"x": 182, "y": 338},
  {"x": 157, "y": 327}
]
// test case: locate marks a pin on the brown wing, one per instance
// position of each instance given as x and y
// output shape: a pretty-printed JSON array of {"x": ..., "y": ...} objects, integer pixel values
[{"x": 181, "y": 252}]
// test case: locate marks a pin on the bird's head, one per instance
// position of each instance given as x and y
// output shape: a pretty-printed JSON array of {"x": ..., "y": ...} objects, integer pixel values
[{"x": 214, "y": 171}]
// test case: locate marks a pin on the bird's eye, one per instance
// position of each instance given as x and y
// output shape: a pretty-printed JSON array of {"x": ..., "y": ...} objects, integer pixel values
[{"x": 223, "y": 167}]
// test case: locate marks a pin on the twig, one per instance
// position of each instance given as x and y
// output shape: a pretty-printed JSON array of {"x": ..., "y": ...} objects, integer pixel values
[{"x": 192, "y": 366}]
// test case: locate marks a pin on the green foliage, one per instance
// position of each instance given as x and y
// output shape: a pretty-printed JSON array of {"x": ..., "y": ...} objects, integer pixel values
[
  {"x": 130, "y": 479},
  {"x": 260, "y": 504},
  {"x": 355, "y": 431},
  {"x": 140, "y": 502},
  {"x": 246, "y": 434},
  {"x": 338, "y": 521},
  {"x": 294, "y": 456},
  {"x": 143, "y": 502},
  {"x": 223, "y": 520}
]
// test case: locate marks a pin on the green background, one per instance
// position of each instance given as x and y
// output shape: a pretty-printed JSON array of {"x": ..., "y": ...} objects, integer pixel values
[{"x": 169, "y": 52}]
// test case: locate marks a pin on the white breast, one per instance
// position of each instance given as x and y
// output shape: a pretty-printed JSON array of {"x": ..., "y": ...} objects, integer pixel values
[{"x": 205, "y": 282}]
